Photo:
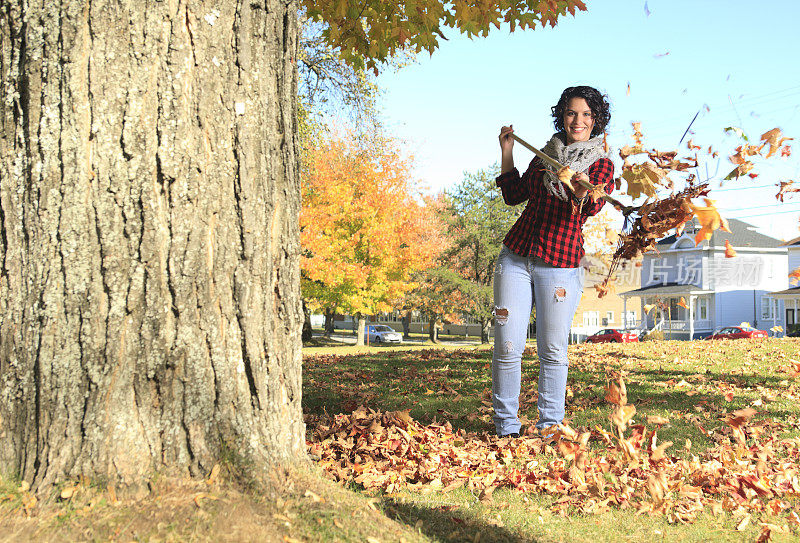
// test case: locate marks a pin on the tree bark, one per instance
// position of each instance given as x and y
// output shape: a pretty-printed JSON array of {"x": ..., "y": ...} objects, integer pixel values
[
  {"x": 407, "y": 325},
  {"x": 330, "y": 316},
  {"x": 361, "y": 323},
  {"x": 308, "y": 331},
  {"x": 485, "y": 330},
  {"x": 433, "y": 329},
  {"x": 149, "y": 196}
]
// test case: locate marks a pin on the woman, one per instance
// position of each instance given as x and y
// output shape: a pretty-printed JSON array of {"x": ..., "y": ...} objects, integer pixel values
[{"x": 540, "y": 259}]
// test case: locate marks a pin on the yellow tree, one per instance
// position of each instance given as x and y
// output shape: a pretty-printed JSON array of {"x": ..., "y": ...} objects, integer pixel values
[{"x": 363, "y": 231}]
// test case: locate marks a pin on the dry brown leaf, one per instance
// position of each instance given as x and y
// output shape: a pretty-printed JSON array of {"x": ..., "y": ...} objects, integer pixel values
[
  {"x": 774, "y": 138},
  {"x": 785, "y": 187},
  {"x": 314, "y": 496},
  {"x": 616, "y": 393},
  {"x": 740, "y": 417}
]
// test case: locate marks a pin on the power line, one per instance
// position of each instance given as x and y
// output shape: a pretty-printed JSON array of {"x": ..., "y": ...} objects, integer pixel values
[
  {"x": 783, "y": 204},
  {"x": 767, "y": 214}
]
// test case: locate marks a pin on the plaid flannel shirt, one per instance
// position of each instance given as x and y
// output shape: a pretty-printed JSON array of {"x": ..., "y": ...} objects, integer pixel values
[{"x": 549, "y": 228}]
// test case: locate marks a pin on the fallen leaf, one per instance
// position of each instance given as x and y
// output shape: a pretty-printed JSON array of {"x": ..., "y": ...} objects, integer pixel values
[
  {"x": 743, "y": 523},
  {"x": 314, "y": 497}
]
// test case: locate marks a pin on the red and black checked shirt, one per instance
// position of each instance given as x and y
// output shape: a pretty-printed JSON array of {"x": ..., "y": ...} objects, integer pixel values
[{"x": 548, "y": 228}]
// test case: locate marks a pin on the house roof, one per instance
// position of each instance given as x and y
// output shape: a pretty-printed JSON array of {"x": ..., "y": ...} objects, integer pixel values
[
  {"x": 793, "y": 242},
  {"x": 742, "y": 234},
  {"x": 793, "y": 290},
  {"x": 668, "y": 289}
]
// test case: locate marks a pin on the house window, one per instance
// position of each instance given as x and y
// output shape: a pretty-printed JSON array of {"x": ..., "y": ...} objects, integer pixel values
[
  {"x": 702, "y": 309},
  {"x": 609, "y": 316},
  {"x": 789, "y": 317},
  {"x": 676, "y": 312},
  {"x": 591, "y": 318},
  {"x": 767, "y": 309},
  {"x": 659, "y": 271},
  {"x": 629, "y": 318}
]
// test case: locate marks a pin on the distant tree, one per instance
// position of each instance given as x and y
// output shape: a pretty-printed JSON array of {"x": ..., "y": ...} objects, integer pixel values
[
  {"x": 363, "y": 231},
  {"x": 477, "y": 219}
]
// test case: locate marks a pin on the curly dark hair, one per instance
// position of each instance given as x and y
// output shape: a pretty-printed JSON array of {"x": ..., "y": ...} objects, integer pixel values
[{"x": 596, "y": 101}]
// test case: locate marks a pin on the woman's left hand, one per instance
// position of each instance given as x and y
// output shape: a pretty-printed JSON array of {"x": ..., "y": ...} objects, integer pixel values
[{"x": 580, "y": 190}]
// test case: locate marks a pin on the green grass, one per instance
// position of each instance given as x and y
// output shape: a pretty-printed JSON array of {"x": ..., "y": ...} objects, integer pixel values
[{"x": 683, "y": 381}]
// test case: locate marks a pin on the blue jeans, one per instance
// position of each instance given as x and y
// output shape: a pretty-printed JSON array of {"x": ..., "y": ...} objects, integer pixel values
[{"x": 519, "y": 283}]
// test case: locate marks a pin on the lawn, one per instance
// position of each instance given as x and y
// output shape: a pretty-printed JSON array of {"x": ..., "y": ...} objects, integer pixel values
[
  {"x": 402, "y": 449},
  {"x": 686, "y": 391}
]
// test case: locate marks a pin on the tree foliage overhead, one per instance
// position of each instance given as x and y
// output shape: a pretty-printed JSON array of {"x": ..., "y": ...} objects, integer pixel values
[{"x": 370, "y": 31}]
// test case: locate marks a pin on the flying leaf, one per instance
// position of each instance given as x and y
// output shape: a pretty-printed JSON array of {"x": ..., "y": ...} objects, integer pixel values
[
  {"x": 691, "y": 146},
  {"x": 616, "y": 393},
  {"x": 658, "y": 452},
  {"x": 794, "y": 276},
  {"x": 785, "y": 186},
  {"x": 642, "y": 179},
  {"x": 648, "y": 307},
  {"x": 682, "y": 303},
  {"x": 621, "y": 415},
  {"x": 738, "y": 131},
  {"x": 774, "y": 138},
  {"x": 740, "y": 417},
  {"x": 739, "y": 171},
  {"x": 630, "y": 150},
  {"x": 777, "y": 329},
  {"x": 729, "y": 252},
  {"x": 709, "y": 219}
]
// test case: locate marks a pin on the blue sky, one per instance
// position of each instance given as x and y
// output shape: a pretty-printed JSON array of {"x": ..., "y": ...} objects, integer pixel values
[{"x": 741, "y": 59}]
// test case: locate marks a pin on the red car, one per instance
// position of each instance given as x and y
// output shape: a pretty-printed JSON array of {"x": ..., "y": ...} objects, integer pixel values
[
  {"x": 737, "y": 332},
  {"x": 609, "y": 335}
]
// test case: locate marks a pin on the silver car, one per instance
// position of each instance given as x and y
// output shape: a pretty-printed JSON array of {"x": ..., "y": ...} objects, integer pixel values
[{"x": 380, "y": 333}]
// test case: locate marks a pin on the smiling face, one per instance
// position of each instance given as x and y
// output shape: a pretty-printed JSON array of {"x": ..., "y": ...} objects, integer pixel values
[{"x": 578, "y": 120}]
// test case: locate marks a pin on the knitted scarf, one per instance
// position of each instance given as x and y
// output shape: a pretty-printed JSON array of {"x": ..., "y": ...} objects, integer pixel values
[{"x": 578, "y": 156}]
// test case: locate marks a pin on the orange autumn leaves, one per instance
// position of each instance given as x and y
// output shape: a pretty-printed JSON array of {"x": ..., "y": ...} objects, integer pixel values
[
  {"x": 747, "y": 469},
  {"x": 362, "y": 230}
]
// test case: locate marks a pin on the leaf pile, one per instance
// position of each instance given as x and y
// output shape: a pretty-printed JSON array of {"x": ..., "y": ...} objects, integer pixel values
[{"x": 748, "y": 471}]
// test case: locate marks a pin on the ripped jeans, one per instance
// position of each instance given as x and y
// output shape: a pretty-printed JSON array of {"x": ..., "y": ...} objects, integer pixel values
[{"x": 519, "y": 283}]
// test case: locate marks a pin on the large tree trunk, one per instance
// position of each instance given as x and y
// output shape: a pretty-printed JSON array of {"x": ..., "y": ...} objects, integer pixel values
[{"x": 149, "y": 197}]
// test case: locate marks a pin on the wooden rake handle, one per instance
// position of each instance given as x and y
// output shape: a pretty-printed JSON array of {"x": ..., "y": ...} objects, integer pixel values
[{"x": 550, "y": 161}]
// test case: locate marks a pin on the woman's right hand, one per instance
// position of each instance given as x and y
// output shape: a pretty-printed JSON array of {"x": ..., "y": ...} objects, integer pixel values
[{"x": 506, "y": 139}]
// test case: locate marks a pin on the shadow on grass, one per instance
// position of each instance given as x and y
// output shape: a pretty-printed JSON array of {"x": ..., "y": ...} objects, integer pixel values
[{"x": 447, "y": 524}]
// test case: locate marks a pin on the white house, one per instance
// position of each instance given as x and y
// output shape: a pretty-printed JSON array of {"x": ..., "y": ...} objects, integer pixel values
[
  {"x": 718, "y": 291},
  {"x": 791, "y": 296}
]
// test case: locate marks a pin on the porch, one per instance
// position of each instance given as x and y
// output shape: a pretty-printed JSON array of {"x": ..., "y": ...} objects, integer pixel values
[
  {"x": 669, "y": 315},
  {"x": 791, "y": 306}
]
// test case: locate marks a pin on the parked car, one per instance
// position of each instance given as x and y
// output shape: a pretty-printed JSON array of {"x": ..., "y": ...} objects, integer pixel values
[
  {"x": 380, "y": 333},
  {"x": 609, "y": 335},
  {"x": 737, "y": 332}
]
